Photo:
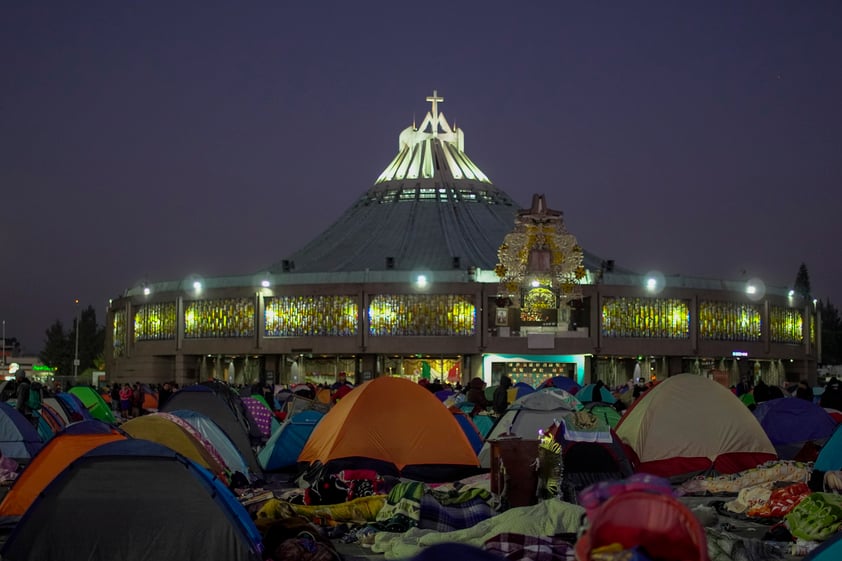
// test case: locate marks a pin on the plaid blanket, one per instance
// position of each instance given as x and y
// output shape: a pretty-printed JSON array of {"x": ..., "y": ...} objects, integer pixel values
[
  {"x": 443, "y": 518},
  {"x": 516, "y": 547}
]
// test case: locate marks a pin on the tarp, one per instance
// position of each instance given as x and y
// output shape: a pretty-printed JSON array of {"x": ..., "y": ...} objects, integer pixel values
[
  {"x": 124, "y": 498},
  {"x": 286, "y": 444},
  {"x": 791, "y": 422},
  {"x": 94, "y": 403},
  {"x": 56, "y": 455},
  {"x": 689, "y": 424},
  {"x": 529, "y": 414},
  {"x": 395, "y": 422}
]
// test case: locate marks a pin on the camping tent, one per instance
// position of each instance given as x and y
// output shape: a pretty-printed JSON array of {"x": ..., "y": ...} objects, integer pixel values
[
  {"x": 286, "y": 444},
  {"x": 561, "y": 382},
  {"x": 93, "y": 402},
  {"x": 592, "y": 392},
  {"x": 76, "y": 409},
  {"x": 226, "y": 409},
  {"x": 529, "y": 414},
  {"x": 162, "y": 428},
  {"x": 56, "y": 455},
  {"x": 522, "y": 389},
  {"x": 689, "y": 424},
  {"x": 791, "y": 423},
  {"x": 392, "y": 425},
  {"x": 18, "y": 438},
  {"x": 173, "y": 509},
  {"x": 469, "y": 428},
  {"x": 607, "y": 413},
  {"x": 231, "y": 456}
]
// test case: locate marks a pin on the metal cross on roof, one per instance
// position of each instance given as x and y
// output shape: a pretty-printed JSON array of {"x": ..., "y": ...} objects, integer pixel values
[{"x": 435, "y": 100}]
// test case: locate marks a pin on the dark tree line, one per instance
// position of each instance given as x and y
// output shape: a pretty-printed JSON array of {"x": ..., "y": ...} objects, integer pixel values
[
  {"x": 60, "y": 344},
  {"x": 831, "y": 322}
]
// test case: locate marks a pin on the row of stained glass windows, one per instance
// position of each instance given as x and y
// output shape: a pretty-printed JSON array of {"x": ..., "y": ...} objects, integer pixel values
[
  {"x": 155, "y": 322},
  {"x": 302, "y": 316},
  {"x": 646, "y": 317},
  {"x": 444, "y": 315},
  {"x": 729, "y": 321},
  {"x": 118, "y": 335},
  {"x": 785, "y": 325},
  {"x": 422, "y": 315},
  {"x": 228, "y": 317}
]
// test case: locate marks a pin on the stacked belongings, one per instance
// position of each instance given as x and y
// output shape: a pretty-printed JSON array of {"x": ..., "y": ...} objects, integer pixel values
[{"x": 592, "y": 452}]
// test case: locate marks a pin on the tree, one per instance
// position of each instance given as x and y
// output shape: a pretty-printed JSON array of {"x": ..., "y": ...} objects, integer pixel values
[
  {"x": 58, "y": 349},
  {"x": 60, "y": 345},
  {"x": 831, "y": 334},
  {"x": 802, "y": 282}
]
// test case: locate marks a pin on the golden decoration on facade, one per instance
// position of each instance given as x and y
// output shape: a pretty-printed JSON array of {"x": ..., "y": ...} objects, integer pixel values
[{"x": 540, "y": 252}]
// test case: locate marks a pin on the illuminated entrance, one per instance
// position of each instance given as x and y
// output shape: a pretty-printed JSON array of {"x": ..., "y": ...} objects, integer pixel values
[{"x": 532, "y": 369}]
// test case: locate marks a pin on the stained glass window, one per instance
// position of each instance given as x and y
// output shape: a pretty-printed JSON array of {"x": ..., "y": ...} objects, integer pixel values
[
  {"x": 301, "y": 316},
  {"x": 729, "y": 321},
  {"x": 646, "y": 317},
  {"x": 118, "y": 335},
  {"x": 155, "y": 322},
  {"x": 422, "y": 314},
  {"x": 226, "y": 317},
  {"x": 785, "y": 325}
]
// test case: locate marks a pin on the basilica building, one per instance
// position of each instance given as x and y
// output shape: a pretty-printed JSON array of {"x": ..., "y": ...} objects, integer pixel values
[{"x": 436, "y": 272}]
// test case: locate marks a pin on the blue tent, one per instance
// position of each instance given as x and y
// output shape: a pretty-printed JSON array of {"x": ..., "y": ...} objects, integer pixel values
[
  {"x": 791, "y": 422},
  {"x": 830, "y": 456},
  {"x": 589, "y": 393},
  {"x": 178, "y": 510},
  {"x": 831, "y": 550},
  {"x": 286, "y": 444},
  {"x": 522, "y": 389},
  {"x": 470, "y": 429},
  {"x": 76, "y": 407},
  {"x": 484, "y": 423},
  {"x": 18, "y": 438}
]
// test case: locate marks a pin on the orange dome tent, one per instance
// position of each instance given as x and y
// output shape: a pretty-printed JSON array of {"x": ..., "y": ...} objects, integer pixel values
[{"x": 392, "y": 424}]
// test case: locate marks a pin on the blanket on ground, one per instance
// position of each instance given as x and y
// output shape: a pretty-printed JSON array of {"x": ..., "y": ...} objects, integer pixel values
[
  {"x": 770, "y": 472},
  {"x": 357, "y": 511},
  {"x": 518, "y": 547},
  {"x": 547, "y": 518},
  {"x": 445, "y": 517}
]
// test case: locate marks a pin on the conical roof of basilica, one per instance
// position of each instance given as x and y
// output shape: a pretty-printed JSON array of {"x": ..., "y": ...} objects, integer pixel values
[{"x": 432, "y": 208}]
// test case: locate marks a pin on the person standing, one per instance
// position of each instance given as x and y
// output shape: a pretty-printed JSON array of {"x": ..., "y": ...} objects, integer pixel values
[
  {"x": 22, "y": 403},
  {"x": 115, "y": 398},
  {"x": 126, "y": 401},
  {"x": 500, "y": 400}
]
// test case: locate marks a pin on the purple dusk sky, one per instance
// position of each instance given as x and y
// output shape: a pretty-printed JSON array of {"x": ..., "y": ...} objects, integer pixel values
[{"x": 154, "y": 140}]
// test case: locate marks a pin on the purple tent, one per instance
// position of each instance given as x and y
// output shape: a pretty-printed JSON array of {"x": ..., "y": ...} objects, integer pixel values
[
  {"x": 790, "y": 423},
  {"x": 562, "y": 382},
  {"x": 261, "y": 415}
]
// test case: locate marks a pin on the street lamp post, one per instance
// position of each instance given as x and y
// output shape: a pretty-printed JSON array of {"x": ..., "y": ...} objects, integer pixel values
[
  {"x": 76, "y": 355},
  {"x": 4, "y": 343}
]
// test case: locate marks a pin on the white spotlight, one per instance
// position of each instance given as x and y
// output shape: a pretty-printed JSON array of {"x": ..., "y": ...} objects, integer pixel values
[{"x": 421, "y": 281}]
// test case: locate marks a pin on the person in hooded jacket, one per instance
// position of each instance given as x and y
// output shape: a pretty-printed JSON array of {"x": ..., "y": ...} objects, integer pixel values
[
  {"x": 500, "y": 401},
  {"x": 476, "y": 395}
]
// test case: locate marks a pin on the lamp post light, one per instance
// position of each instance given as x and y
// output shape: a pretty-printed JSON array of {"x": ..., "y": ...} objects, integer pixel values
[{"x": 76, "y": 354}]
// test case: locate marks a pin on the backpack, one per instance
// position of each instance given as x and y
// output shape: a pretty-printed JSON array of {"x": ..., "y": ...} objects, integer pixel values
[{"x": 34, "y": 400}]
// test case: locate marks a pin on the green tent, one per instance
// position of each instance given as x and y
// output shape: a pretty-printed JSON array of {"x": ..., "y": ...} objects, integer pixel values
[
  {"x": 94, "y": 403},
  {"x": 605, "y": 412}
]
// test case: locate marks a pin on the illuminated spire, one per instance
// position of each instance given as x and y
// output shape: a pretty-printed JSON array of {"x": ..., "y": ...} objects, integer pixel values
[{"x": 435, "y": 100}]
